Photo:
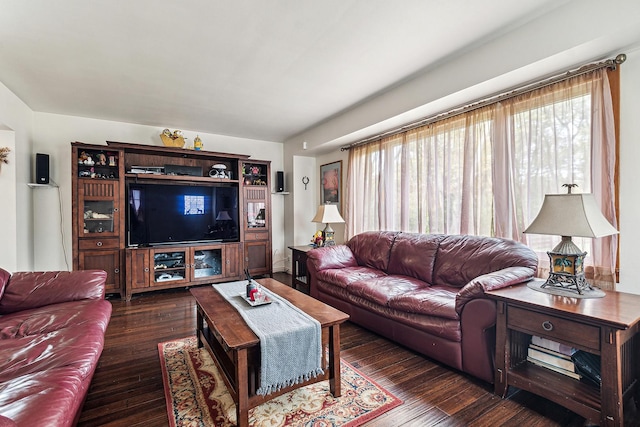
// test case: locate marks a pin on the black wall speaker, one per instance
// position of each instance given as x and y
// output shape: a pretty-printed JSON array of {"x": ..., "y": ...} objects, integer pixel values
[
  {"x": 280, "y": 181},
  {"x": 42, "y": 168}
]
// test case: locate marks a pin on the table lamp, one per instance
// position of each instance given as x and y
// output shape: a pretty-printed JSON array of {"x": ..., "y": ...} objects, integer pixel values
[
  {"x": 568, "y": 215},
  {"x": 223, "y": 216},
  {"x": 327, "y": 214},
  {"x": 261, "y": 217}
]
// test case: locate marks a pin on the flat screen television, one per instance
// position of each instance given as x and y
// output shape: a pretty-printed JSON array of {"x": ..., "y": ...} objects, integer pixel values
[{"x": 165, "y": 213}]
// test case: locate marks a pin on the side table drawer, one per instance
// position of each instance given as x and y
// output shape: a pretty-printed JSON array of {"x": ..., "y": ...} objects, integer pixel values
[{"x": 556, "y": 328}]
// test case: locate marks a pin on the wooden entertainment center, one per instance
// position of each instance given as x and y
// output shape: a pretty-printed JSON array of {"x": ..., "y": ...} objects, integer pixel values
[{"x": 104, "y": 199}]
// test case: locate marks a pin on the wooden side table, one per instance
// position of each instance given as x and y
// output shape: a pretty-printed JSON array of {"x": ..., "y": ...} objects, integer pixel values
[
  {"x": 607, "y": 327},
  {"x": 299, "y": 274}
]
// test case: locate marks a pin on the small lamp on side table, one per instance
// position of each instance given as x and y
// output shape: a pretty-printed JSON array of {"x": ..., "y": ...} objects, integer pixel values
[
  {"x": 569, "y": 215},
  {"x": 327, "y": 214}
]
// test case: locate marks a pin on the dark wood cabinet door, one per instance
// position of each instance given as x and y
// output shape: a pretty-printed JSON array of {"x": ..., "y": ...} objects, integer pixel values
[
  {"x": 109, "y": 261},
  {"x": 232, "y": 261},
  {"x": 257, "y": 257},
  {"x": 138, "y": 269}
]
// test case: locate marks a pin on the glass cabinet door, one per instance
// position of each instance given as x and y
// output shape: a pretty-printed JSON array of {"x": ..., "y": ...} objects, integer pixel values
[
  {"x": 256, "y": 215},
  {"x": 207, "y": 263},
  {"x": 169, "y": 266},
  {"x": 98, "y": 208},
  {"x": 98, "y": 216}
]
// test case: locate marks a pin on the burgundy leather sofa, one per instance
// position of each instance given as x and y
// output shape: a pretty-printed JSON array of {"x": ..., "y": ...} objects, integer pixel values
[
  {"x": 52, "y": 327},
  {"x": 424, "y": 291}
]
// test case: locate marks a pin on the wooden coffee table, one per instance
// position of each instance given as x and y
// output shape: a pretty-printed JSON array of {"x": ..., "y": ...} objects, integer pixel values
[{"x": 236, "y": 349}]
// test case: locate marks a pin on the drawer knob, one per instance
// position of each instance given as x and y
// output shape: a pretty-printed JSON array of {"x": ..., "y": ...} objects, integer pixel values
[
  {"x": 547, "y": 326},
  {"x": 98, "y": 243}
]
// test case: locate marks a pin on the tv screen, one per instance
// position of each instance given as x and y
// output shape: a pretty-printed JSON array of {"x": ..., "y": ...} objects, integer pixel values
[{"x": 161, "y": 214}]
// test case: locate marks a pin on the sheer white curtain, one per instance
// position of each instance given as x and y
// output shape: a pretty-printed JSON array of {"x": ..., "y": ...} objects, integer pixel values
[{"x": 486, "y": 172}]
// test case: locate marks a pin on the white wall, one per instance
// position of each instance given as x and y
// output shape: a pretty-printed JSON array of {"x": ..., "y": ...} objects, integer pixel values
[
  {"x": 16, "y": 241},
  {"x": 304, "y": 196},
  {"x": 629, "y": 173},
  {"x": 53, "y": 134}
]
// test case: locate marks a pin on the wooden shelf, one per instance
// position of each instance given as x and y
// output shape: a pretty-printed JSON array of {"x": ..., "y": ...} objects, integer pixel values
[
  {"x": 34, "y": 185},
  {"x": 577, "y": 396},
  {"x": 182, "y": 178}
]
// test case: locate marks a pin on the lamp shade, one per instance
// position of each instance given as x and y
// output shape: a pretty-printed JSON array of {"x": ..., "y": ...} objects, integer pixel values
[
  {"x": 223, "y": 216},
  {"x": 327, "y": 214},
  {"x": 571, "y": 215}
]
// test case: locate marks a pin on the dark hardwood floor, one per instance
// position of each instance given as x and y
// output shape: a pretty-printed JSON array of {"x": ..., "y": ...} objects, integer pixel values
[{"x": 127, "y": 387}]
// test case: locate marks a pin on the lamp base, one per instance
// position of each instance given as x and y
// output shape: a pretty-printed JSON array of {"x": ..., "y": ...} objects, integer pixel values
[
  {"x": 536, "y": 285},
  {"x": 567, "y": 271},
  {"x": 328, "y": 236},
  {"x": 567, "y": 282}
]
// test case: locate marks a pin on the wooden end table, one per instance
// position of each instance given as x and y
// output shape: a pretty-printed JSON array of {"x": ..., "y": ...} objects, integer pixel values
[
  {"x": 299, "y": 275},
  {"x": 236, "y": 349},
  {"x": 606, "y": 326}
]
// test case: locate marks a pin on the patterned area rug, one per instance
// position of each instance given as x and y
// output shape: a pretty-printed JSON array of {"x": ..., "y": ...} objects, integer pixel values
[{"x": 197, "y": 396}]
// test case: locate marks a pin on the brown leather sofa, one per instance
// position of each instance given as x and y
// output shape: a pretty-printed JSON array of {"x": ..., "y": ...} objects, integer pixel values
[
  {"x": 52, "y": 327},
  {"x": 424, "y": 291}
]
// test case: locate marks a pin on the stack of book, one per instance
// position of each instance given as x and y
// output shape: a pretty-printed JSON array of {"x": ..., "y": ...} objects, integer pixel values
[{"x": 552, "y": 355}]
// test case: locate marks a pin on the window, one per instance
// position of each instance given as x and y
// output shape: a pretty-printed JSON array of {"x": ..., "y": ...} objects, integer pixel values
[
  {"x": 486, "y": 171},
  {"x": 193, "y": 205}
]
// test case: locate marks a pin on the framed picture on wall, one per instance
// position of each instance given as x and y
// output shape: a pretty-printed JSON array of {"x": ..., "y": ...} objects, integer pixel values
[{"x": 331, "y": 184}]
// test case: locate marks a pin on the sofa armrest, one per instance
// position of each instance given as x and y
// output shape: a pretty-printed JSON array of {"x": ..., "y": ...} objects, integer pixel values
[
  {"x": 328, "y": 257},
  {"x": 27, "y": 290},
  {"x": 491, "y": 281}
]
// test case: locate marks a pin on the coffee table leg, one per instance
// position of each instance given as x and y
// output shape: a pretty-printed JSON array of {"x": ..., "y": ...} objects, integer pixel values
[
  {"x": 334, "y": 361},
  {"x": 242, "y": 384},
  {"x": 199, "y": 326}
]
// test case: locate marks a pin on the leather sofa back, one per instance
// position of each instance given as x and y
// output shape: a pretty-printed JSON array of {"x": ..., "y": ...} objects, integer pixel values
[
  {"x": 27, "y": 290},
  {"x": 372, "y": 248},
  {"x": 438, "y": 259},
  {"x": 461, "y": 259},
  {"x": 414, "y": 255}
]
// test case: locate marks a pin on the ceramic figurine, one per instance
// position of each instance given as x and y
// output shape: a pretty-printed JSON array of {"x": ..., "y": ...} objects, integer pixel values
[{"x": 197, "y": 143}]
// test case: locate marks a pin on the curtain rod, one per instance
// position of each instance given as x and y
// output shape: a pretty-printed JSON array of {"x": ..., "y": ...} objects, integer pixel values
[{"x": 497, "y": 97}]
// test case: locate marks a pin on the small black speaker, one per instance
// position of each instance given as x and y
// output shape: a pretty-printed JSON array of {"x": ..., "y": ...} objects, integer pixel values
[
  {"x": 42, "y": 168},
  {"x": 280, "y": 181}
]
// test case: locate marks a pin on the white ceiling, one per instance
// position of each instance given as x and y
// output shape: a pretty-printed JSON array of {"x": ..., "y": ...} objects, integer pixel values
[{"x": 257, "y": 69}]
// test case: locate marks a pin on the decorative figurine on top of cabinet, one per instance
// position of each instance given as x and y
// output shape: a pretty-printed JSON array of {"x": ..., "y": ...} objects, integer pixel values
[{"x": 197, "y": 143}]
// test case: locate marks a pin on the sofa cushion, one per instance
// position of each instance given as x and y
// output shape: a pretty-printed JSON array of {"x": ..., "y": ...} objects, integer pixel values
[
  {"x": 382, "y": 289},
  {"x": 436, "y": 301},
  {"x": 343, "y": 277},
  {"x": 46, "y": 398},
  {"x": 372, "y": 248},
  {"x": 414, "y": 255},
  {"x": 45, "y": 320},
  {"x": 67, "y": 334},
  {"x": 448, "y": 329}
]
